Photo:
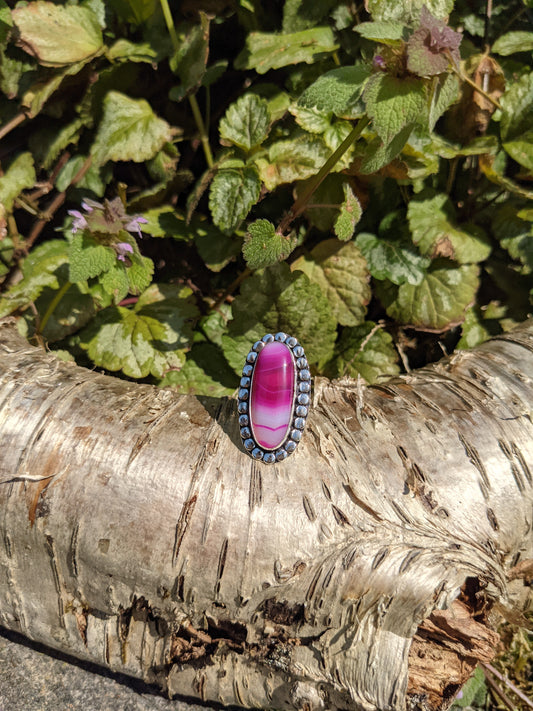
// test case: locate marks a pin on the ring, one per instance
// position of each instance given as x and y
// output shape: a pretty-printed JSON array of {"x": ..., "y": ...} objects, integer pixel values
[{"x": 274, "y": 397}]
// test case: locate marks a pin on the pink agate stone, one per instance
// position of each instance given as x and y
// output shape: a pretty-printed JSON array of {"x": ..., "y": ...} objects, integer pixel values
[{"x": 272, "y": 395}]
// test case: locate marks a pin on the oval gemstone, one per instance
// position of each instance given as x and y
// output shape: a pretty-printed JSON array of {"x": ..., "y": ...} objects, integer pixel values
[{"x": 272, "y": 395}]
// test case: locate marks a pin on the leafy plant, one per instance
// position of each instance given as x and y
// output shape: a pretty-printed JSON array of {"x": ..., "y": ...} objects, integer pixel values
[{"x": 176, "y": 183}]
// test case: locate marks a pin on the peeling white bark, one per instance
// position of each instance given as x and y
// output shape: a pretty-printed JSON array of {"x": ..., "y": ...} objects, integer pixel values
[{"x": 135, "y": 532}]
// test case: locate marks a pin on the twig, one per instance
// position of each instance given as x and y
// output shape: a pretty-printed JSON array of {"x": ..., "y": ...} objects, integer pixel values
[
  {"x": 488, "y": 667},
  {"x": 503, "y": 696},
  {"x": 488, "y": 16},
  {"x": 457, "y": 71},
  {"x": 10, "y": 125},
  {"x": 231, "y": 288},
  {"x": 52, "y": 306},
  {"x": 46, "y": 187},
  {"x": 54, "y": 206},
  {"x": 301, "y": 203},
  {"x": 364, "y": 342},
  {"x": 204, "y": 138}
]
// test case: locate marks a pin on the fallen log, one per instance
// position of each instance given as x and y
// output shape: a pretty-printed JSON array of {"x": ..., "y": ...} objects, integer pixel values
[{"x": 361, "y": 573}]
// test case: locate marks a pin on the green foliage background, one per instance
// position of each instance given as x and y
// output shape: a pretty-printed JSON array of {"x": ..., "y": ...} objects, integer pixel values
[{"x": 357, "y": 176}]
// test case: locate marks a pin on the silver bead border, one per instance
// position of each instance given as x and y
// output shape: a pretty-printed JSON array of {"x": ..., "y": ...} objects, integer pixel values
[{"x": 300, "y": 405}]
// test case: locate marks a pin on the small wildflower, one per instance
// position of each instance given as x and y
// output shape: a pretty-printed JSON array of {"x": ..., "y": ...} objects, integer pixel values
[
  {"x": 107, "y": 218},
  {"x": 79, "y": 222},
  {"x": 379, "y": 63},
  {"x": 134, "y": 225},
  {"x": 123, "y": 249}
]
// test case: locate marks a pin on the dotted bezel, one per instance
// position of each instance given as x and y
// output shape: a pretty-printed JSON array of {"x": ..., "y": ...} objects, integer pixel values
[{"x": 300, "y": 404}]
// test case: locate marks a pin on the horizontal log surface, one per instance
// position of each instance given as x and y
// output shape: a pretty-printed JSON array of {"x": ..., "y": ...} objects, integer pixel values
[{"x": 137, "y": 534}]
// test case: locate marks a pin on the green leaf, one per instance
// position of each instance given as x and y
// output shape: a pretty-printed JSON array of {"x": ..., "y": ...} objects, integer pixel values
[
  {"x": 477, "y": 329},
  {"x": 478, "y": 146},
  {"x": 521, "y": 149},
  {"x": 341, "y": 273},
  {"x": 407, "y": 10},
  {"x": 474, "y": 692},
  {"x": 134, "y": 11},
  {"x": 294, "y": 159},
  {"x": 366, "y": 351},
  {"x": 114, "y": 284},
  {"x": 517, "y": 108},
  {"x": 40, "y": 92},
  {"x": 19, "y": 176},
  {"x": 491, "y": 169},
  {"x": 302, "y": 14},
  {"x": 6, "y": 22},
  {"x": 232, "y": 194},
  {"x": 165, "y": 221},
  {"x": 88, "y": 258},
  {"x": 444, "y": 92},
  {"x": 329, "y": 193},
  {"x": 216, "y": 248},
  {"x": 129, "y": 130},
  {"x": 74, "y": 310},
  {"x": 392, "y": 260},
  {"x": 48, "y": 143},
  {"x": 246, "y": 122},
  {"x": 263, "y": 246},
  {"x": 140, "y": 274},
  {"x": 149, "y": 339},
  {"x": 39, "y": 271},
  {"x": 265, "y": 50},
  {"x": 337, "y": 92},
  {"x": 125, "y": 51},
  {"x": 311, "y": 119},
  {"x": 214, "y": 324},
  {"x": 349, "y": 216},
  {"x": 197, "y": 377},
  {"x": 393, "y": 103},
  {"x": 93, "y": 179},
  {"x": 280, "y": 300},
  {"x": 189, "y": 61},
  {"x": 57, "y": 35},
  {"x": 438, "y": 303},
  {"x": 7, "y": 249},
  {"x": 378, "y": 153},
  {"x": 512, "y": 42},
  {"x": 333, "y": 137},
  {"x": 515, "y": 234},
  {"x": 391, "y": 33},
  {"x": 431, "y": 217}
]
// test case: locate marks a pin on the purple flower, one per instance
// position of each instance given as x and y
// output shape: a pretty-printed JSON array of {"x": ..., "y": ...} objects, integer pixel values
[
  {"x": 79, "y": 222},
  {"x": 107, "y": 218},
  {"x": 134, "y": 225},
  {"x": 379, "y": 63},
  {"x": 123, "y": 249}
]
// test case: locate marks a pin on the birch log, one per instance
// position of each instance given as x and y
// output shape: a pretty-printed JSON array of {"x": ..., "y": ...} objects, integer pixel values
[{"x": 137, "y": 534}]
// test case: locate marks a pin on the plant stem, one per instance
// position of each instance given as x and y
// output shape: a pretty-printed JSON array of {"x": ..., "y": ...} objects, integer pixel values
[
  {"x": 10, "y": 125},
  {"x": 508, "y": 683},
  {"x": 53, "y": 304},
  {"x": 457, "y": 71},
  {"x": 201, "y": 130},
  {"x": 170, "y": 24},
  {"x": 301, "y": 203},
  {"x": 55, "y": 205},
  {"x": 204, "y": 138}
]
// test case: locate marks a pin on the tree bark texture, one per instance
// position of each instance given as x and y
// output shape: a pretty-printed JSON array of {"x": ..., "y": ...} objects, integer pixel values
[{"x": 136, "y": 533}]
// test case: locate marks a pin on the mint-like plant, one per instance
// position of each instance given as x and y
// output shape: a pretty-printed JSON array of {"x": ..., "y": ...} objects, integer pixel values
[{"x": 358, "y": 178}]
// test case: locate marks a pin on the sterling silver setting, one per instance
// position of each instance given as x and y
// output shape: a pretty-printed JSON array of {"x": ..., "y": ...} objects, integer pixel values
[{"x": 300, "y": 405}]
